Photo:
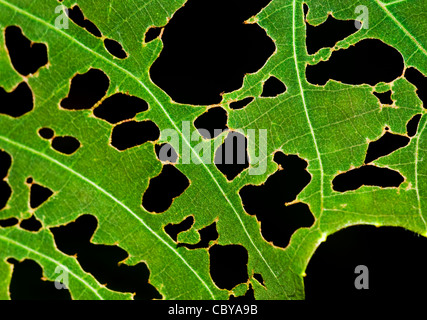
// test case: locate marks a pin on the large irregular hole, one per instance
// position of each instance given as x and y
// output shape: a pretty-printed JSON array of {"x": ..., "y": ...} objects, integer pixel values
[
  {"x": 236, "y": 105},
  {"x": 228, "y": 265},
  {"x": 396, "y": 269},
  {"x": 27, "y": 283},
  {"x": 166, "y": 153},
  {"x": 231, "y": 158},
  {"x": 269, "y": 201},
  {"x": 161, "y": 191},
  {"x": 152, "y": 33},
  {"x": 17, "y": 102},
  {"x": 367, "y": 175},
  {"x": 191, "y": 68},
  {"x": 86, "y": 90},
  {"x": 119, "y": 107},
  {"x": 26, "y": 56},
  {"x": 66, "y": 144},
  {"x": 10, "y": 222},
  {"x": 38, "y": 195},
  {"x": 327, "y": 34},
  {"x": 385, "y": 145},
  {"x": 273, "y": 87},
  {"x": 115, "y": 48},
  {"x": 76, "y": 15},
  {"x": 384, "y": 97},
  {"x": 369, "y": 61},
  {"x": 132, "y": 133},
  {"x": 212, "y": 123},
  {"x": 412, "y": 125},
  {"x": 174, "y": 229},
  {"x": 103, "y": 261},
  {"x": 207, "y": 234},
  {"x": 420, "y": 81},
  {"x": 5, "y": 190},
  {"x": 31, "y": 224}
]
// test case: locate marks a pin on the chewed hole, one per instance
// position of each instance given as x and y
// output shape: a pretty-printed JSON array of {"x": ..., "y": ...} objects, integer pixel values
[
  {"x": 76, "y": 15},
  {"x": 29, "y": 180},
  {"x": 212, "y": 123},
  {"x": 236, "y": 105},
  {"x": 7, "y": 223},
  {"x": 31, "y": 224},
  {"x": 115, "y": 48},
  {"x": 419, "y": 81},
  {"x": 26, "y": 56},
  {"x": 66, "y": 144},
  {"x": 249, "y": 295},
  {"x": 5, "y": 163},
  {"x": 412, "y": 125},
  {"x": 27, "y": 283},
  {"x": 132, "y": 134},
  {"x": 86, "y": 90},
  {"x": 152, "y": 33},
  {"x": 273, "y": 87},
  {"x": 119, "y": 107},
  {"x": 39, "y": 195},
  {"x": 161, "y": 191},
  {"x": 367, "y": 175},
  {"x": 174, "y": 229},
  {"x": 17, "y": 102},
  {"x": 379, "y": 62},
  {"x": 385, "y": 145},
  {"x": 228, "y": 265},
  {"x": 207, "y": 234},
  {"x": 384, "y": 97},
  {"x": 258, "y": 277},
  {"x": 46, "y": 133},
  {"x": 166, "y": 153},
  {"x": 231, "y": 158},
  {"x": 103, "y": 261}
]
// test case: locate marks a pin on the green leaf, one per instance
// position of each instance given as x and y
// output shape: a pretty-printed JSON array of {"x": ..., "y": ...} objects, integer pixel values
[{"x": 329, "y": 126}]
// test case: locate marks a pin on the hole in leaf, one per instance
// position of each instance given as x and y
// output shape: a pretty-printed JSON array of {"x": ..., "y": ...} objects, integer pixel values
[
  {"x": 17, "y": 102},
  {"x": 214, "y": 121},
  {"x": 31, "y": 224},
  {"x": 367, "y": 175},
  {"x": 385, "y": 145},
  {"x": 29, "y": 180},
  {"x": 200, "y": 72},
  {"x": 174, "y": 229},
  {"x": 46, "y": 133},
  {"x": 161, "y": 191},
  {"x": 207, "y": 234},
  {"x": 420, "y": 81},
  {"x": 26, "y": 56},
  {"x": 119, "y": 107},
  {"x": 412, "y": 125},
  {"x": 236, "y": 105},
  {"x": 5, "y": 163},
  {"x": 38, "y": 195},
  {"x": 331, "y": 271},
  {"x": 166, "y": 153},
  {"x": 327, "y": 34},
  {"x": 86, "y": 90},
  {"x": 268, "y": 202},
  {"x": 249, "y": 295},
  {"x": 152, "y": 33},
  {"x": 5, "y": 193},
  {"x": 273, "y": 87},
  {"x": 228, "y": 265},
  {"x": 384, "y": 97},
  {"x": 76, "y": 15},
  {"x": 379, "y": 62},
  {"x": 231, "y": 158},
  {"x": 258, "y": 277},
  {"x": 6, "y": 223},
  {"x": 131, "y": 134},
  {"x": 66, "y": 144},
  {"x": 115, "y": 48},
  {"x": 27, "y": 283},
  {"x": 103, "y": 261}
]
